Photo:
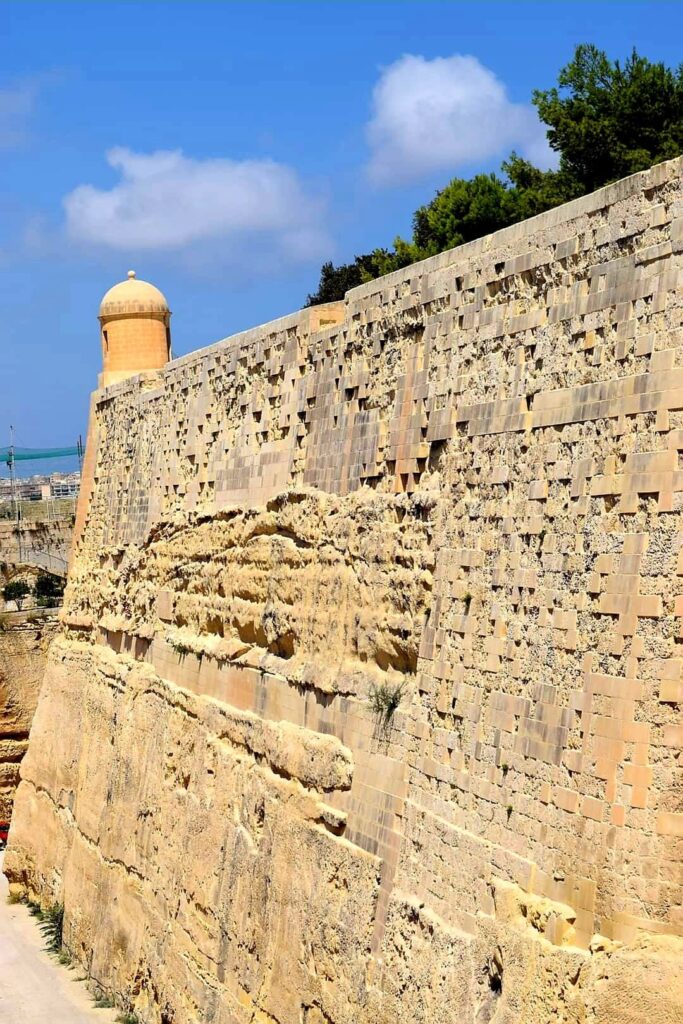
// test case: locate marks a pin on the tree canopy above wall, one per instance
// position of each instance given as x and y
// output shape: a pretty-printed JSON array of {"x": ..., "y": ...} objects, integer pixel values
[{"x": 605, "y": 120}]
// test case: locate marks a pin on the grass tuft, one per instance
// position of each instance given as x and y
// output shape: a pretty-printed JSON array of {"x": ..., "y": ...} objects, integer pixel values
[
  {"x": 384, "y": 700},
  {"x": 104, "y": 1002},
  {"x": 52, "y": 927}
]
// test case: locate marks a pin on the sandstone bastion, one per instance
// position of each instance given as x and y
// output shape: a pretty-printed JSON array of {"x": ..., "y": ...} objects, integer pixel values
[{"x": 366, "y": 702}]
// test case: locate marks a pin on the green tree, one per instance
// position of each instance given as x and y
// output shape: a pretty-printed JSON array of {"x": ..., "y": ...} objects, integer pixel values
[
  {"x": 533, "y": 190},
  {"x": 336, "y": 281},
  {"x": 48, "y": 590},
  {"x": 17, "y": 591},
  {"x": 604, "y": 120},
  {"x": 470, "y": 208},
  {"x": 463, "y": 210},
  {"x": 607, "y": 121}
]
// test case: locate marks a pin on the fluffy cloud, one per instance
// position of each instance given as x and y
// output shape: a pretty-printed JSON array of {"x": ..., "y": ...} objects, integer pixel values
[
  {"x": 441, "y": 114},
  {"x": 168, "y": 201}
]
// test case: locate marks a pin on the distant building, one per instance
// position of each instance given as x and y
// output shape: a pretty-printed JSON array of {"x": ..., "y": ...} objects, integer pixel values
[
  {"x": 41, "y": 487},
  {"x": 65, "y": 487}
]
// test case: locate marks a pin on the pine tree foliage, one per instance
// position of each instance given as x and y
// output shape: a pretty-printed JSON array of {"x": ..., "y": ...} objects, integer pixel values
[{"x": 605, "y": 120}]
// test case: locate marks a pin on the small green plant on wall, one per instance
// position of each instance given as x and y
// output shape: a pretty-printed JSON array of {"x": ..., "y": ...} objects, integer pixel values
[
  {"x": 103, "y": 1001},
  {"x": 385, "y": 698},
  {"x": 50, "y": 922}
]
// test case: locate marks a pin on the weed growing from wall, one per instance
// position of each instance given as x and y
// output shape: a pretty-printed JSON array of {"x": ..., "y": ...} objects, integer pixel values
[
  {"x": 384, "y": 699},
  {"x": 52, "y": 927}
]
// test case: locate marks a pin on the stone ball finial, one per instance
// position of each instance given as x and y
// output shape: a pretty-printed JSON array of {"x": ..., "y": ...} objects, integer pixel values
[{"x": 131, "y": 273}]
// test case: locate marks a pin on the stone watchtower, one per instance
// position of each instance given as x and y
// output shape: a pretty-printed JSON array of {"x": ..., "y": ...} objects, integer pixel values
[{"x": 135, "y": 330}]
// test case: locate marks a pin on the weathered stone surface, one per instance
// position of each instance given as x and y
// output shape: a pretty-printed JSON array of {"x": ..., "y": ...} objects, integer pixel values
[
  {"x": 44, "y": 545},
  {"x": 23, "y": 652},
  {"x": 467, "y": 494}
]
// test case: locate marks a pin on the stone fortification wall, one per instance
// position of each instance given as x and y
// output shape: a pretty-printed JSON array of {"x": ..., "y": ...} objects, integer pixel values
[
  {"x": 366, "y": 707},
  {"x": 23, "y": 652},
  {"x": 25, "y": 550},
  {"x": 41, "y": 544}
]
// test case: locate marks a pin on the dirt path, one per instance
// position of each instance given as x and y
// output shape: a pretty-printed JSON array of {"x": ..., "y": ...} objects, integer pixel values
[{"x": 34, "y": 989}]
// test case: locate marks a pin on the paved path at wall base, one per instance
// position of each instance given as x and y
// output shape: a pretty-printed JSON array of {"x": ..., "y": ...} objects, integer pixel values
[{"x": 33, "y": 988}]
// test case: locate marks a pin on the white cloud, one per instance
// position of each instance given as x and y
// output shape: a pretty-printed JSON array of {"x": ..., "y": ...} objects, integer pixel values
[
  {"x": 441, "y": 114},
  {"x": 168, "y": 201}
]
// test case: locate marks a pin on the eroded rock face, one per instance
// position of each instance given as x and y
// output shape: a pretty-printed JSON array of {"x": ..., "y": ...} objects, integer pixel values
[
  {"x": 23, "y": 654},
  {"x": 263, "y": 581},
  {"x": 366, "y": 707}
]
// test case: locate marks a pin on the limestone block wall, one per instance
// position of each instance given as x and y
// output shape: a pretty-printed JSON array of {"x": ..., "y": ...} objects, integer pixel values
[
  {"x": 42, "y": 544},
  {"x": 367, "y": 706}
]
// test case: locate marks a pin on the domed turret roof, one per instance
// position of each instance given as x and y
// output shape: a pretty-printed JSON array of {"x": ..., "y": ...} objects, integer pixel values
[{"x": 133, "y": 296}]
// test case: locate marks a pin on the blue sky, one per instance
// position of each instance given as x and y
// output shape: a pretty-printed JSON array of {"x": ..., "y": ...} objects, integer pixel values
[{"x": 223, "y": 150}]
